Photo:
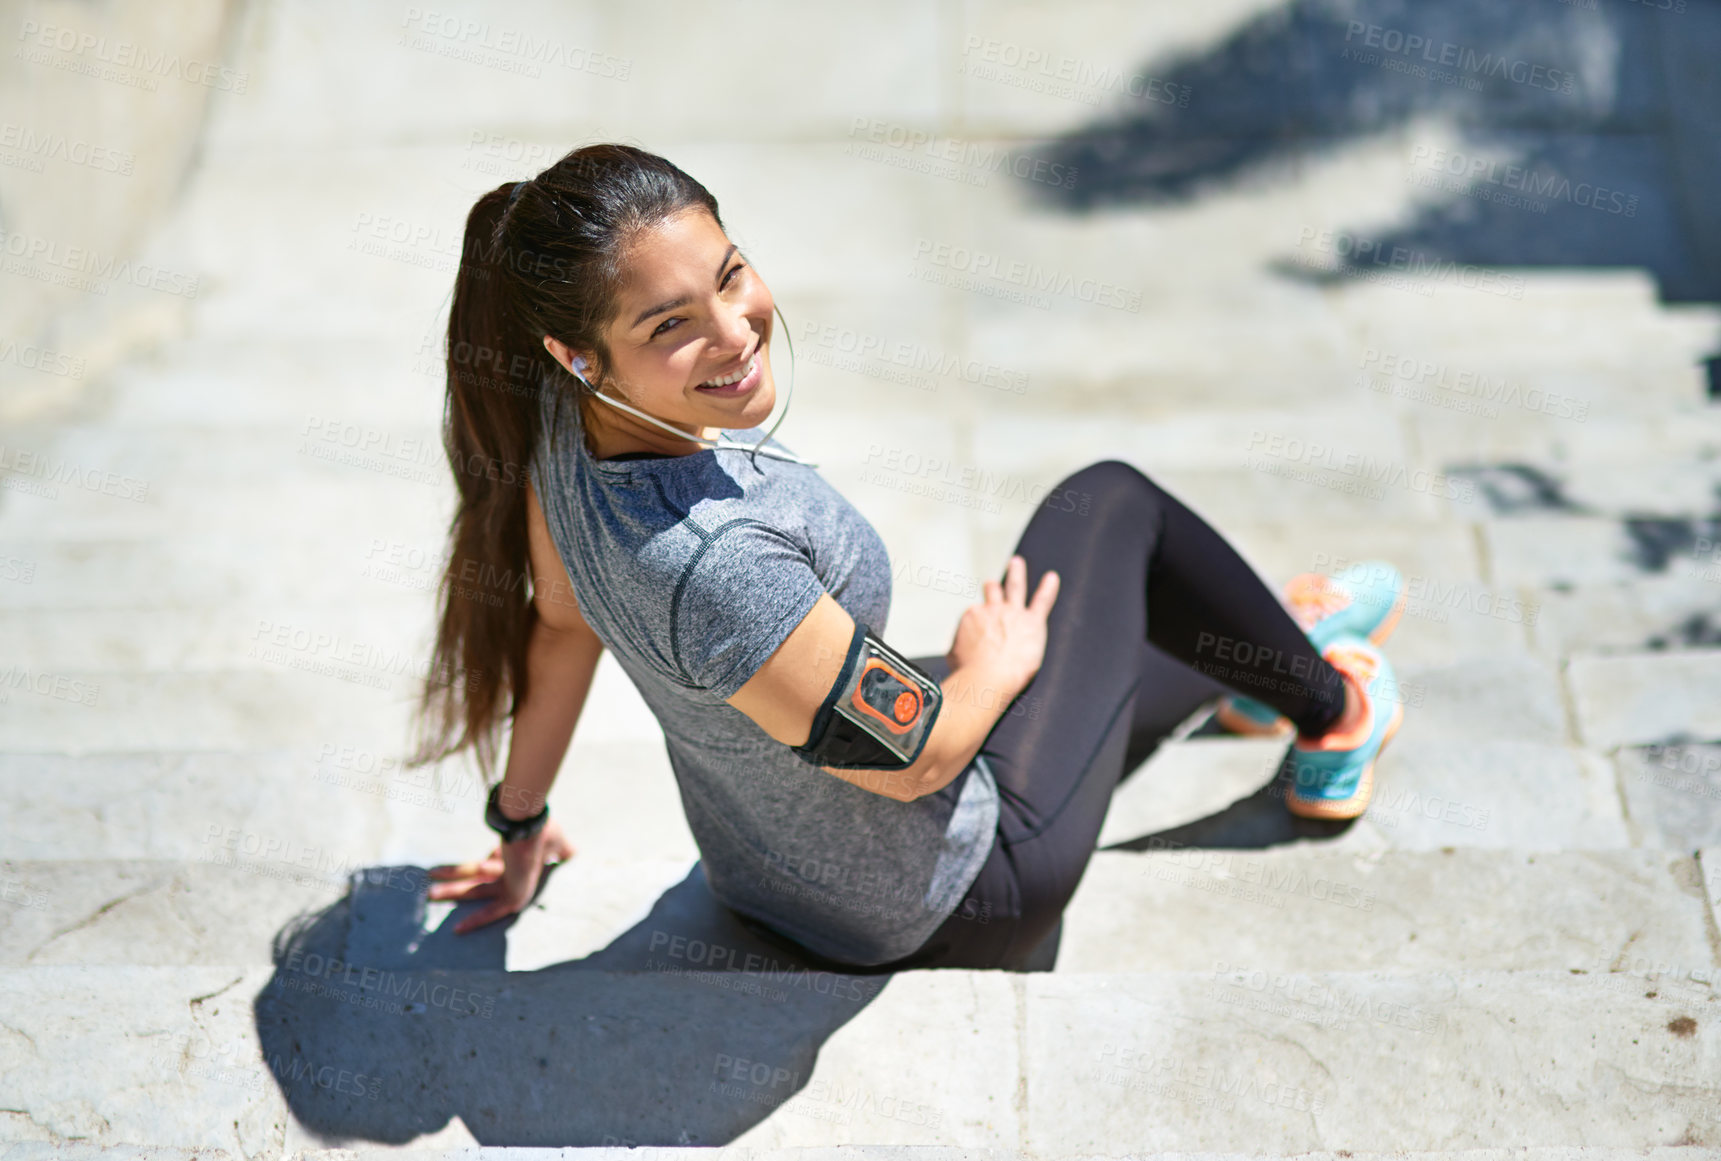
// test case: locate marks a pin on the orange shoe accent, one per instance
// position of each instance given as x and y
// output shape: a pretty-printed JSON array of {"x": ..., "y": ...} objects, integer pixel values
[
  {"x": 1384, "y": 630},
  {"x": 1236, "y": 723},
  {"x": 1311, "y": 596},
  {"x": 1358, "y": 803},
  {"x": 1358, "y": 669}
]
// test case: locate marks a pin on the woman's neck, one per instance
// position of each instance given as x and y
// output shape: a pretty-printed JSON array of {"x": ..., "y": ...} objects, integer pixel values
[{"x": 611, "y": 432}]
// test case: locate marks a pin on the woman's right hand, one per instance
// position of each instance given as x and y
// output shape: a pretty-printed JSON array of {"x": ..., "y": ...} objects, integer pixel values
[
  {"x": 508, "y": 877},
  {"x": 1004, "y": 636}
]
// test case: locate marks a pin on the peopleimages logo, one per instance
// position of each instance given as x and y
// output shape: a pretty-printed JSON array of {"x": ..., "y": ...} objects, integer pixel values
[
  {"x": 1527, "y": 180},
  {"x": 1363, "y": 254},
  {"x": 987, "y": 267},
  {"x": 1399, "y": 373},
  {"x": 1360, "y": 465},
  {"x": 85, "y": 52},
  {"x": 1465, "y": 59}
]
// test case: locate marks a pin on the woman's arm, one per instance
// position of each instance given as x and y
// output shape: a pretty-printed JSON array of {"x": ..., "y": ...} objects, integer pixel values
[
  {"x": 562, "y": 655},
  {"x": 560, "y": 664},
  {"x": 998, "y": 648}
]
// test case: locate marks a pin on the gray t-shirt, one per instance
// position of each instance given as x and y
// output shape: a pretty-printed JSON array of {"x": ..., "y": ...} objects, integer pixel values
[{"x": 693, "y": 569}]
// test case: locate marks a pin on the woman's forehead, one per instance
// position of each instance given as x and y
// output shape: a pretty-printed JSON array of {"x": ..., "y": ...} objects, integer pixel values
[
  {"x": 688, "y": 245},
  {"x": 675, "y": 258}
]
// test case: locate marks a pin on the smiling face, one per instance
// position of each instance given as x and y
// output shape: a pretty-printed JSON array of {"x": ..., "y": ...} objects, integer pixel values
[{"x": 689, "y": 343}]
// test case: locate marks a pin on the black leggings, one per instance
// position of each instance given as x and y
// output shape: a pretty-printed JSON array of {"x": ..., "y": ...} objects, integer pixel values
[{"x": 1156, "y": 614}]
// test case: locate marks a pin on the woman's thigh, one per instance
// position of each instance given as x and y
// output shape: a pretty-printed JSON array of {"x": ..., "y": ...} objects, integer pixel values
[
  {"x": 1167, "y": 694},
  {"x": 1102, "y": 696}
]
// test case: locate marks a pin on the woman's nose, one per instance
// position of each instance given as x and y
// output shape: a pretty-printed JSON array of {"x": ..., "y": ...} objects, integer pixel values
[{"x": 736, "y": 329}]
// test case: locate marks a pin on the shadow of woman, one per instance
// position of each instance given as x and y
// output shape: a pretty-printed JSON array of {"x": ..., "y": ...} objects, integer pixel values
[
  {"x": 688, "y": 1029},
  {"x": 1254, "y": 822}
]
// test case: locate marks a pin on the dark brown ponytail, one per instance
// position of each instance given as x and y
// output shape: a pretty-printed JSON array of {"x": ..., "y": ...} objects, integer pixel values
[{"x": 543, "y": 257}]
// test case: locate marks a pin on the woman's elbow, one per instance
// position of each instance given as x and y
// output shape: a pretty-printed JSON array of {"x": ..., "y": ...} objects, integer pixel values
[{"x": 901, "y": 785}]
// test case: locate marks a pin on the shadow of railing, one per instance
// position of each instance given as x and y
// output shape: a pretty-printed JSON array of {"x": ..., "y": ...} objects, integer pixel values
[{"x": 1604, "y": 121}]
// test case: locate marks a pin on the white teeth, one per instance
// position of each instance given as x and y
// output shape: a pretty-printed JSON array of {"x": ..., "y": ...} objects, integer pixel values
[{"x": 736, "y": 377}]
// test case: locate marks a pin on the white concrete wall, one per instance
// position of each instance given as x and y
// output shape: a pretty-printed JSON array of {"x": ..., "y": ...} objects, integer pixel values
[{"x": 102, "y": 110}]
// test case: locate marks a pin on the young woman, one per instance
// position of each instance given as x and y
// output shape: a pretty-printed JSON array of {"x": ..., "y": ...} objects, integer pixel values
[{"x": 609, "y": 364}]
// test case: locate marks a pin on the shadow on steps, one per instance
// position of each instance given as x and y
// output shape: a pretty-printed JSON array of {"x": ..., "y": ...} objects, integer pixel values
[
  {"x": 1255, "y": 822},
  {"x": 689, "y": 1029}
]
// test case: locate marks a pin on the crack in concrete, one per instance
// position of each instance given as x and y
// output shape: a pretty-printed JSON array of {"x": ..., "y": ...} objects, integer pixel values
[
  {"x": 1711, "y": 926},
  {"x": 90, "y": 918},
  {"x": 1314, "y": 1125},
  {"x": 34, "y": 1047},
  {"x": 196, "y": 1000},
  {"x": 53, "y": 1135},
  {"x": 1569, "y": 710},
  {"x": 1018, "y": 988},
  {"x": 1632, "y": 829},
  {"x": 1620, "y": 958}
]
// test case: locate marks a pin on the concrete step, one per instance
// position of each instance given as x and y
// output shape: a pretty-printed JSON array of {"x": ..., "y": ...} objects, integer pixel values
[
  {"x": 1570, "y": 427},
  {"x": 302, "y": 699},
  {"x": 1676, "y": 609},
  {"x": 414, "y": 500},
  {"x": 1672, "y": 795},
  {"x": 214, "y": 381},
  {"x": 308, "y": 691},
  {"x": 1498, "y": 794},
  {"x": 1457, "y": 414},
  {"x": 184, "y": 454},
  {"x": 1558, "y": 551},
  {"x": 363, "y": 568},
  {"x": 346, "y": 802},
  {"x": 1634, "y": 699},
  {"x": 1299, "y": 909},
  {"x": 1089, "y": 1064},
  {"x": 621, "y": 799},
  {"x": 460, "y": 1148},
  {"x": 224, "y": 634},
  {"x": 1303, "y": 909},
  {"x": 365, "y": 680},
  {"x": 1183, "y": 351}
]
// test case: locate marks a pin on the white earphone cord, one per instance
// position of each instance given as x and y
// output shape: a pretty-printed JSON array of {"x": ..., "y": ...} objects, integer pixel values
[{"x": 721, "y": 443}]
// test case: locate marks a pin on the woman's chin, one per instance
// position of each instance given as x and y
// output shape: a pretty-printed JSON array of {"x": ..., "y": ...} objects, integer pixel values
[
  {"x": 739, "y": 412},
  {"x": 756, "y": 408}
]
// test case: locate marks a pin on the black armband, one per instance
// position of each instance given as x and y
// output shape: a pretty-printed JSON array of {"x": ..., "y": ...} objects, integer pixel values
[{"x": 879, "y": 713}]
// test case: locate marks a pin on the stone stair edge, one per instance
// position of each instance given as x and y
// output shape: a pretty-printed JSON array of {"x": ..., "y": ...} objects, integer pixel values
[
  {"x": 959, "y": 980},
  {"x": 55, "y": 1151}
]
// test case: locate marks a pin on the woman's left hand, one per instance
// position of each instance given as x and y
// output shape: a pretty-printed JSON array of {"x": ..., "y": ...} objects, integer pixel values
[{"x": 508, "y": 876}]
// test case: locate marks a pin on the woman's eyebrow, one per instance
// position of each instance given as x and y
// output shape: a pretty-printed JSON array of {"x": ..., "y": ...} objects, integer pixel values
[{"x": 683, "y": 300}]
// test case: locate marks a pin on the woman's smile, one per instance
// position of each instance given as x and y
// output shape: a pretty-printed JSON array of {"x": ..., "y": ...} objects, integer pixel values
[{"x": 737, "y": 383}]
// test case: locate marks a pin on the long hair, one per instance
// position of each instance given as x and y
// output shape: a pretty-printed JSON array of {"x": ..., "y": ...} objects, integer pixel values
[{"x": 543, "y": 257}]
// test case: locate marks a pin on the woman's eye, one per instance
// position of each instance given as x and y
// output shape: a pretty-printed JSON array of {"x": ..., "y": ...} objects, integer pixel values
[{"x": 670, "y": 324}]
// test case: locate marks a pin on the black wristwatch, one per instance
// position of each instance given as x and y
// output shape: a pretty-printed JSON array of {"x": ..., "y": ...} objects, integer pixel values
[{"x": 512, "y": 830}]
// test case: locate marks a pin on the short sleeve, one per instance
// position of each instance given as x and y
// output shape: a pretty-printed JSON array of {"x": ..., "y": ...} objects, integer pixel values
[{"x": 745, "y": 590}]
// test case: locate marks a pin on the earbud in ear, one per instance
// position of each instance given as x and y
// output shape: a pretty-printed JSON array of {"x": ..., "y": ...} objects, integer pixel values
[{"x": 579, "y": 364}]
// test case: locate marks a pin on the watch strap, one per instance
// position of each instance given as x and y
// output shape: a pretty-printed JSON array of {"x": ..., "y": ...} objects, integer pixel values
[{"x": 512, "y": 830}]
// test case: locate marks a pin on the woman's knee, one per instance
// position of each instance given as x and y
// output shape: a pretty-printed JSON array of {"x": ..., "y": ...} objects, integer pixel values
[{"x": 1109, "y": 487}]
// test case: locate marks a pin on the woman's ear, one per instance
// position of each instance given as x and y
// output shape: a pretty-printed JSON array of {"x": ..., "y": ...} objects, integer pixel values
[{"x": 565, "y": 355}]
